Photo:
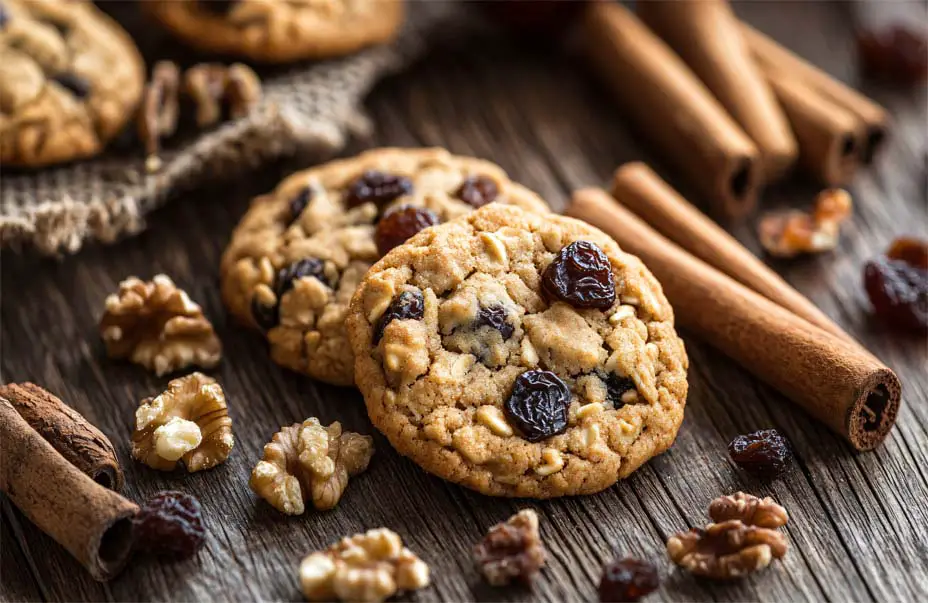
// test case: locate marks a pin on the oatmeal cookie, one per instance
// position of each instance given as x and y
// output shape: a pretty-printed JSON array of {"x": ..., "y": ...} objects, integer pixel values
[
  {"x": 518, "y": 354},
  {"x": 279, "y": 31},
  {"x": 299, "y": 253},
  {"x": 70, "y": 78}
]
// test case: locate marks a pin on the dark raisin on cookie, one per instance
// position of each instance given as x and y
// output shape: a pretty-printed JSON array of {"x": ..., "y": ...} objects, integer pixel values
[
  {"x": 538, "y": 405},
  {"x": 581, "y": 276},
  {"x": 478, "y": 191},
  {"x": 401, "y": 223},
  {"x": 298, "y": 203},
  {"x": 409, "y": 305},
  {"x": 377, "y": 187},
  {"x": 218, "y": 7},
  {"x": 495, "y": 317},
  {"x": 78, "y": 86},
  {"x": 616, "y": 387},
  {"x": 268, "y": 317},
  {"x": 4, "y": 16}
]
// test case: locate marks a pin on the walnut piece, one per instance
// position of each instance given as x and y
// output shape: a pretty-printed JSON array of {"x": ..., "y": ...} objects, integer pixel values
[
  {"x": 212, "y": 86},
  {"x": 787, "y": 234},
  {"x": 158, "y": 111},
  {"x": 155, "y": 324},
  {"x": 188, "y": 422},
  {"x": 726, "y": 550},
  {"x": 365, "y": 567},
  {"x": 309, "y": 462},
  {"x": 751, "y": 510},
  {"x": 511, "y": 550}
]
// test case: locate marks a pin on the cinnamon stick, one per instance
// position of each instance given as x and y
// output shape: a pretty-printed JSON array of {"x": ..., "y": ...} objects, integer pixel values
[
  {"x": 92, "y": 522},
  {"x": 673, "y": 107},
  {"x": 636, "y": 186},
  {"x": 840, "y": 384},
  {"x": 873, "y": 118},
  {"x": 706, "y": 34},
  {"x": 82, "y": 444}
]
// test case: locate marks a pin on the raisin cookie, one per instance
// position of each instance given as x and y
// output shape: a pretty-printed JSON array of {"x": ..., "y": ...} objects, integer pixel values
[
  {"x": 279, "y": 31},
  {"x": 299, "y": 253},
  {"x": 519, "y": 354},
  {"x": 70, "y": 79}
]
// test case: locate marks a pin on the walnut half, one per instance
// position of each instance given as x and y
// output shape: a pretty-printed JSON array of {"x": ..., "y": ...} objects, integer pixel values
[
  {"x": 157, "y": 325},
  {"x": 726, "y": 550},
  {"x": 306, "y": 461},
  {"x": 753, "y": 511},
  {"x": 371, "y": 566},
  {"x": 511, "y": 550},
  {"x": 188, "y": 422}
]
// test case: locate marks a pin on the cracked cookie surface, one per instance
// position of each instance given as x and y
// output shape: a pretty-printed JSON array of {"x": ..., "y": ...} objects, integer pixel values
[
  {"x": 279, "y": 31},
  {"x": 70, "y": 78},
  {"x": 475, "y": 370},
  {"x": 299, "y": 253}
]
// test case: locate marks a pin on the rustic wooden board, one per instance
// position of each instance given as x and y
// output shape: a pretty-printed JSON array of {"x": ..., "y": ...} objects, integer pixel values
[{"x": 858, "y": 521}]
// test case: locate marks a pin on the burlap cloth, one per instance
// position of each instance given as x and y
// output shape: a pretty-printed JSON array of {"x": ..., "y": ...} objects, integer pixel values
[{"x": 311, "y": 108}]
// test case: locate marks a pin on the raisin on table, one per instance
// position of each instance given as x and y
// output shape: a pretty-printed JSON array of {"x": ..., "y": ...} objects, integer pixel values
[
  {"x": 170, "y": 522},
  {"x": 409, "y": 305},
  {"x": 538, "y": 405},
  {"x": 399, "y": 224},
  {"x": 896, "y": 53},
  {"x": 899, "y": 293},
  {"x": 765, "y": 453},
  {"x": 581, "y": 276},
  {"x": 627, "y": 579}
]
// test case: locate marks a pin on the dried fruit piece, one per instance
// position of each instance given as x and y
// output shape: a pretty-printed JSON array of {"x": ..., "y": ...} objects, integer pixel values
[
  {"x": 511, "y": 550},
  {"x": 726, "y": 550},
  {"x": 616, "y": 389},
  {"x": 409, "y": 305},
  {"x": 377, "y": 187},
  {"x": 898, "y": 292},
  {"x": 495, "y": 317},
  {"x": 267, "y": 311},
  {"x": 751, "y": 510},
  {"x": 399, "y": 224},
  {"x": 897, "y": 54},
  {"x": 786, "y": 234},
  {"x": 765, "y": 453},
  {"x": 4, "y": 16},
  {"x": 170, "y": 522},
  {"x": 78, "y": 86},
  {"x": 298, "y": 203},
  {"x": 581, "y": 276},
  {"x": 477, "y": 191},
  {"x": 910, "y": 250},
  {"x": 627, "y": 579},
  {"x": 538, "y": 405}
]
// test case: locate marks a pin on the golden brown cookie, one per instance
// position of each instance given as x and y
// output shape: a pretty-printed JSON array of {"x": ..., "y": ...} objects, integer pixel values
[
  {"x": 70, "y": 78},
  {"x": 279, "y": 31},
  {"x": 299, "y": 253},
  {"x": 518, "y": 354}
]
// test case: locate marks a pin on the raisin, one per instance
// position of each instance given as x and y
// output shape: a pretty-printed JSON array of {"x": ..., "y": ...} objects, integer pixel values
[
  {"x": 495, "y": 317},
  {"x": 913, "y": 252},
  {"x": 616, "y": 386},
  {"x": 377, "y": 187},
  {"x": 299, "y": 203},
  {"x": 765, "y": 453},
  {"x": 538, "y": 405},
  {"x": 896, "y": 54},
  {"x": 581, "y": 276},
  {"x": 170, "y": 522},
  {"x": 399, "y": 224},
  {"x": 627, "y": 579},
  {"x": 477, "y": 191},
  {"x": 78, "y": 86},
  {"x": 4, "y": 16},
  {"x": 409, "y": 305},
  {"x": 218, "y": 7},
  {"x": 898, "y": 292},
  {"x": 267, "y": 317}
]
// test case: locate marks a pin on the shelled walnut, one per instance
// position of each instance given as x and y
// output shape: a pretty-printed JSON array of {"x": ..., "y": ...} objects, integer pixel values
[
  {"x": 213, "y": 85},
  {"x": 372, "y": 566},
  {"x": 160, "y": 107},
  {"x": 511, "y": 550},
  {"x": 309, "y": 462},
  {"x": 157, "y": 325},
  {"x": 188, "y": 422},
  {"x": 751, "y": 510},
  {"x": 726, "y": 550}
]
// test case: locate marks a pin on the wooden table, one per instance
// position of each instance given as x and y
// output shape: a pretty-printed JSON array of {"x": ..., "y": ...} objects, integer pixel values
[{"x": 859, "y": 522}]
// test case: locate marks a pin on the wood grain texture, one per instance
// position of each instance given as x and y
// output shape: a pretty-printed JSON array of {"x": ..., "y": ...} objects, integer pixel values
[{"x": 858, "y": 521}]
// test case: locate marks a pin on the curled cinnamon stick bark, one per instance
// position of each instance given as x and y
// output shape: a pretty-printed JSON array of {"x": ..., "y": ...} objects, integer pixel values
[
  {"x": 673, "y": 107},
  {"x": 636, "y": 186},
  {"x": 706, "y": 34},
  {"x": 92, "y": 522},
  {"x": 873, "y": 118},
  {"x": 82, "y": 444},
  {"x": 840, "y": 384}
]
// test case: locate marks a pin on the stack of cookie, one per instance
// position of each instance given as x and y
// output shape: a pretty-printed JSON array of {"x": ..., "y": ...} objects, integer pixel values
[{"x": 498, "y": 345}]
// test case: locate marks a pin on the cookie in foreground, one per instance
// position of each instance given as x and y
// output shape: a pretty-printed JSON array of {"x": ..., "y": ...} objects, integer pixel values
[
  {"x": 519, "y": 354},
  {"x": 298, "y": 254}
]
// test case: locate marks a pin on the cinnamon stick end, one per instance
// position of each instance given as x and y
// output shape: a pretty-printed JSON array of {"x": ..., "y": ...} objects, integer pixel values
[
  {"x": 873, "y": 140},
  {"x": 742, "y": 186},
  {"x": 114, "y": 547},
  {"x": 874, "y": 413}
]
